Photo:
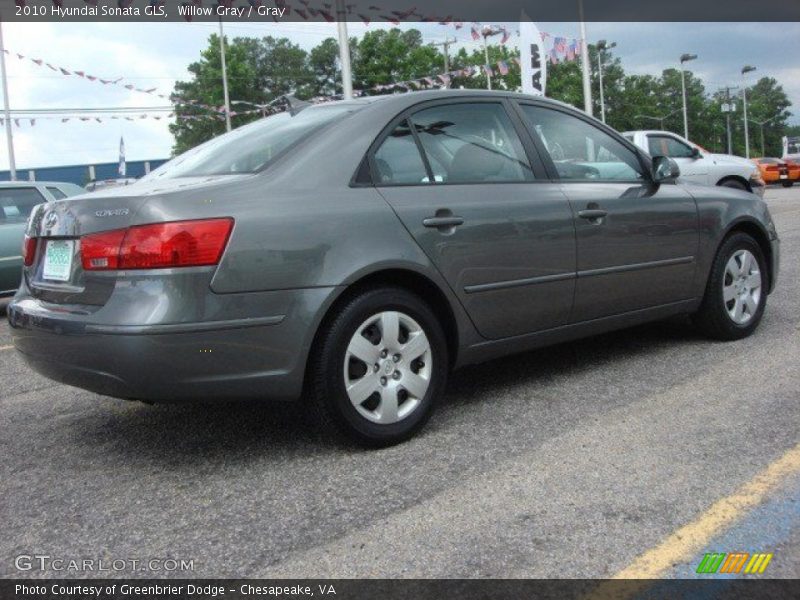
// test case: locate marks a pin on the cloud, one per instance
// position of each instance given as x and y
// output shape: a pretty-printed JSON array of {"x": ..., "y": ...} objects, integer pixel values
[{"x": 156, "y": 55}]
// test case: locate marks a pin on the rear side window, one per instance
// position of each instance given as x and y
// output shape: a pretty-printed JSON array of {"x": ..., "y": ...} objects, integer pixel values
[
  {"x": 250, "y": 148},
  {"x": 665, "y": 145},
  {"x": 56, "y": 193},
  {"x": 471, "y": 143},
  {"x": 397, "y": 161},
  {"x": 17, "y": 203},
  {"x": 579, "y": 150}
]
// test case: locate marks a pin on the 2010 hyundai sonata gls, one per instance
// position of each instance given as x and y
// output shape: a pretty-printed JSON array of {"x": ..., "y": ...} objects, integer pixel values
[{"x": 359, "y": 251}]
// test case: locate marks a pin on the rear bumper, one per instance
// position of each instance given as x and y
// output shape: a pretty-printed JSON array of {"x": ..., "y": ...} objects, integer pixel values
[{"x": 253, "y": 357}]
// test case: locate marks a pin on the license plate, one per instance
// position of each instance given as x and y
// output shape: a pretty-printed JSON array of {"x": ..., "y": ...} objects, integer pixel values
[
  {"x": 784, "y": 176},
  {"x": 58, "y": 259}
]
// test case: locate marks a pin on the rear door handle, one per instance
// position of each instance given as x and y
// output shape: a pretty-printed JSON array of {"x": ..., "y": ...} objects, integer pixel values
[
  {"x": 592, "y": 213},
  {"x": 443, "y": 222}
]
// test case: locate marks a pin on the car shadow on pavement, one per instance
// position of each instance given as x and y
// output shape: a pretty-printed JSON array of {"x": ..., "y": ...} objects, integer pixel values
[{"x": 244, "y": 431}]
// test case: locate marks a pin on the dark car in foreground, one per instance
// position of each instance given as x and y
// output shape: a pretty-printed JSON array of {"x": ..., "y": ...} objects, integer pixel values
[{"x": 355, "y": 253}]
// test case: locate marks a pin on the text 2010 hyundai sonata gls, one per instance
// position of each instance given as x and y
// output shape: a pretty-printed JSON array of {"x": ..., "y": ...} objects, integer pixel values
[{"x": 358, "y": 251}]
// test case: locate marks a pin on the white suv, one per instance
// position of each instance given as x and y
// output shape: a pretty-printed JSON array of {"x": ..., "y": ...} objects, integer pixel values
[{"x": 698, "y": 165}]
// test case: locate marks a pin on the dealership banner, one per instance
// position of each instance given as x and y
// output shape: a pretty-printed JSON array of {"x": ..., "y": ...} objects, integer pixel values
[
  {"x": 532, "y": 62},
  {"x": 452, "y": 13}
]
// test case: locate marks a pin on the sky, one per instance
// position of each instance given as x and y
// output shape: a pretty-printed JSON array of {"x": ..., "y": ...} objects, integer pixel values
[{"x": 155, "y": 55}]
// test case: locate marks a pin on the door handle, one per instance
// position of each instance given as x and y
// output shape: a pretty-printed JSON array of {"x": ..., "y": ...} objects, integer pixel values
[
  {"x": 592, "y": 213},
  {"x": 443, "y": 222}
]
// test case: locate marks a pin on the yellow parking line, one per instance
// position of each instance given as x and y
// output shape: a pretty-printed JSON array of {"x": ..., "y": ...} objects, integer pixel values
[
  {"x": 695, "y": 536},
  {"x": 6, "y": 347}
]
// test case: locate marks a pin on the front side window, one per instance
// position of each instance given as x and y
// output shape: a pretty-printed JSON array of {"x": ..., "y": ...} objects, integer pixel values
[
  {"x": 250, "y": 148},
  {"x": 471, "y": 143},
  {"x": 17, "y": 203},
  {"x": 580, "y": 150},
  {"x": 666, "y": 145}
]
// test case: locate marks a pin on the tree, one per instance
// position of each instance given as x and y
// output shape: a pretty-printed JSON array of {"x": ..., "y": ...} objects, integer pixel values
[
  {"x": 205, "y": 88},
  {"x": 389, "y": 56},
  {"x": 510, "y": 81}
]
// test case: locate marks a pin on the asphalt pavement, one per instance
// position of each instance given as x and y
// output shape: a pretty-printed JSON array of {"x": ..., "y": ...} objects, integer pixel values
[{"x": 572, "y": 461}]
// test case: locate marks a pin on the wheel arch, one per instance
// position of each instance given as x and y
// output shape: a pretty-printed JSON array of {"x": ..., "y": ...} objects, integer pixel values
[
  {"x": 737, "y": 178},
  {"x": 397, "y": 276},
  {"x": 755, "y": 230}
]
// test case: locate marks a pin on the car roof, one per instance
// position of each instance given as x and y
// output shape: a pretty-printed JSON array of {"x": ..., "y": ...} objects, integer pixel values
[
  {"x": 7, "y": 184},
  {"x": 407, "y": 99}
]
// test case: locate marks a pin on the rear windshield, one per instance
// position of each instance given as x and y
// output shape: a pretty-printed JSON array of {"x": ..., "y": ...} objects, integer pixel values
[{"x": 250, "y": 148}]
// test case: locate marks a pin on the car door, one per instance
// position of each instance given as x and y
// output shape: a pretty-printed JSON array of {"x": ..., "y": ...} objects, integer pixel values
[
  {"x": 473, "y": 194},
  {"x": 694, "y": 166},
  {"x": 16, "y": 204},
  {"x": 636, "y": 240}
]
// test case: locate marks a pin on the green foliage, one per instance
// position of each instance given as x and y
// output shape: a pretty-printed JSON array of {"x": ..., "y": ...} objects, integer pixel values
[{"x": 260, "y": 70}]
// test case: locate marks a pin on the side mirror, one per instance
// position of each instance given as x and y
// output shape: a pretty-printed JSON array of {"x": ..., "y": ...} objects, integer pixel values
[
  {"x": 695, "y": 152},
  {"x": 665, "y": 169}
]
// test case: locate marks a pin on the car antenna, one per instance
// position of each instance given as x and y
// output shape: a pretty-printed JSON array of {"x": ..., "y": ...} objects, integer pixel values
[{"x": 294, "y": 105}]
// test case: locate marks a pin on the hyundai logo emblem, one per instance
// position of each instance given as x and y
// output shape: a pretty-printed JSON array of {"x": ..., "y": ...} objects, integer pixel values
[{"x": 51, "y": 220}]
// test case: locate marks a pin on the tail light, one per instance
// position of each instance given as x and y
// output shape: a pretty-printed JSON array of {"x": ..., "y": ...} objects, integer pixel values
[
  {"x": 157, "y": 246},
  {"x": 28, "y": 250},
  {"x": 773, "y": 168}
]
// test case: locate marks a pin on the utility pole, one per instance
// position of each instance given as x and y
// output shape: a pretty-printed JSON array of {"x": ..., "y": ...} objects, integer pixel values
[
  {"x": 344, "y": 50},
  {"x": 745, "y": 70},
  {"x": 12, "y": 167},
  {"x": 729, "y": 107},
  {"x": 446, "y": 50},
  {"x": 761, "y": 125},
  {"x": 602, "y": 46},
  {"x": 224, "y": 77}
]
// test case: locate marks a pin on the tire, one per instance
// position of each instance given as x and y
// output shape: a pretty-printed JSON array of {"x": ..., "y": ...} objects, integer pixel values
[
  {"x": 355, "y": 336},
  {"x": 787, "y": 183},
  {"x": 734, "y": 183},
  {"x": 731, "y": 309}
]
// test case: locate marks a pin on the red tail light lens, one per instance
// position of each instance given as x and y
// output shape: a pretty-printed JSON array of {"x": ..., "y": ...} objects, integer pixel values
[
  {"x": 28, "y": 250},
  {"x": 157, "y": 246}
]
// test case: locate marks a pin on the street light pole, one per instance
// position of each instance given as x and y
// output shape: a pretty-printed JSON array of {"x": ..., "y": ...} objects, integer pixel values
[
  {"x": 12, "y": 167},
  {"x": 685, "y": 58},
  {"x": 602, "y": 46},
  {"x": 344, "y": 50},
  {"x": 224, "y": 77},
  {"x": 587, "y": 85},
  {"x": 745, "y": 70}
]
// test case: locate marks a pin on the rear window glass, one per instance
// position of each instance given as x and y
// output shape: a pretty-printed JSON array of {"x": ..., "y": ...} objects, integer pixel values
[
  {"x": 250, "y": 148},
  {"x": 56, "y": 193},
  {"x": 17, "y": 203}
]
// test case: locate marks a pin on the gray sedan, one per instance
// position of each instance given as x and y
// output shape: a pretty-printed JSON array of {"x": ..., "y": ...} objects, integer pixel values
[{"x": 354, "y": 254}]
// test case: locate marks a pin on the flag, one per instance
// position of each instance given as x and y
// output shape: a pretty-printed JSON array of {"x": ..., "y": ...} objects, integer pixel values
[
  {"x": 532, "y": 59},
  {"x": 502, "y": 66},
  {"x": 571, "y": 51},
  {"x": 121, "y": 170},
  {"x": 475, "y": 34},
  {"x": 560, "y": 45},
  {"x": 505, "y": 37},
  {"x": 488, "y": 70}
]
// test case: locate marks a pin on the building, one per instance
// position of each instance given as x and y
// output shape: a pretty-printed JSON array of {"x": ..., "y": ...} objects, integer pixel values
[{"x": 83, "y": 174}]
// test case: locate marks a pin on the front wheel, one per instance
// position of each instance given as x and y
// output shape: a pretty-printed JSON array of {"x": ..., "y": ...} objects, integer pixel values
[
  {"x": 380, "y": 366},
  {"x": 736, "y": 292},
  {"x": 734, "y": 183}
]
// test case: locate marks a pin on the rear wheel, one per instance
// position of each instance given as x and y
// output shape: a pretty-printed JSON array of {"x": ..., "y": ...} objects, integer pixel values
[
  {"x": 787, "y": 183},
  {"x": 736, "y": 292},
  {"x": 380, "y": 366}
]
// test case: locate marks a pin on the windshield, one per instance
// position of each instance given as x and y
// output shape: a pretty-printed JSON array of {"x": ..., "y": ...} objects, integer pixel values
[{"x": 249, "y": 148}]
